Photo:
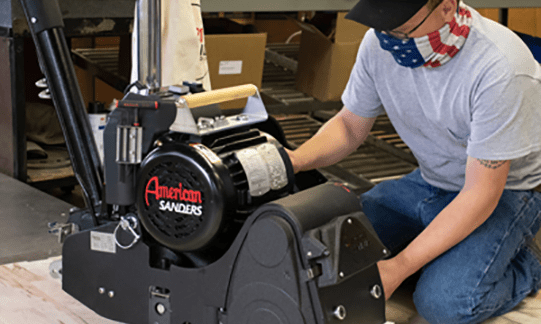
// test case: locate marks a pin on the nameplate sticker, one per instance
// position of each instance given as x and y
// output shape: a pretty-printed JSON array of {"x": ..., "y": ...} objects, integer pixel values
[
  {"x": 230, "y": 67},
  {"x": 102, "y": 242}
]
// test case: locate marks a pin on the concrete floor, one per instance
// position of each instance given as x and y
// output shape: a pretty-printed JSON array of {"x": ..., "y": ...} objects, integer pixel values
[{"x": 25, "y": 213}]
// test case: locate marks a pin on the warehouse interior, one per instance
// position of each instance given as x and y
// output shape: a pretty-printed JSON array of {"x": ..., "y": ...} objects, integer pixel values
[{"x": 286, "y": 48}]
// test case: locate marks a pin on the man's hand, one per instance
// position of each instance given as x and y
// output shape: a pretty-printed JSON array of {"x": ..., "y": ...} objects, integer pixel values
[
  {"x": 293, "y": 160},
  {"x": 391, "y": 276}
]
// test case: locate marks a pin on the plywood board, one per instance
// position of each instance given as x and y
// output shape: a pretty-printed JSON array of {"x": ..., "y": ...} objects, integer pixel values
[{"x": 28, "y": 294}]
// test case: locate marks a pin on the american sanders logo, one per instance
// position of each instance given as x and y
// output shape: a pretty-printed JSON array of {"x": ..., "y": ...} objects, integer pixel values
[{"x": 171, "y": 199}]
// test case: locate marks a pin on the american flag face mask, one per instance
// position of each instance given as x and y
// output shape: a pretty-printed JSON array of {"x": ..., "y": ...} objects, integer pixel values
[{"x": 434, "y": 49}]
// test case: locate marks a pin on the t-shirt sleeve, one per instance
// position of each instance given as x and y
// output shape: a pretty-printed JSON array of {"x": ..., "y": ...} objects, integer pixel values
[
  {"x": 360, "y": 96},
  {"x": 505, "y": 115}
]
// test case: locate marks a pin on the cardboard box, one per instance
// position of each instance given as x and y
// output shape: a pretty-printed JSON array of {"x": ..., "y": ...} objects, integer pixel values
[
  {"x": 235, "y": 59},
  {"x": 525, "y": 20},
  {"x": 325, "y": 64}
]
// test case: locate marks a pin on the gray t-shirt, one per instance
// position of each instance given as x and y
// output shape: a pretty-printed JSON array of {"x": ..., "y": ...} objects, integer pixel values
[{"x": 484, "y": 103}]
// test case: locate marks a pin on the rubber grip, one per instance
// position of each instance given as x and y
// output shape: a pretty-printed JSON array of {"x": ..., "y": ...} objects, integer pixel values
[{"x": 220, "y": 95}]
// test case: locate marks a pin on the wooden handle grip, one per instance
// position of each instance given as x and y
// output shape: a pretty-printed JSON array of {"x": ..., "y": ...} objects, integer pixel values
[{"x": 220, "y": 95}]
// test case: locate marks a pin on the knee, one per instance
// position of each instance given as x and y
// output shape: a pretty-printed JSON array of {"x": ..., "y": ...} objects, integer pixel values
[{"x": 443, "y": 305}]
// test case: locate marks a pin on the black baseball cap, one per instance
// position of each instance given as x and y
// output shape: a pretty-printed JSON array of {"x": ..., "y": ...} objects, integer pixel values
[{"x": 385, "y": 14}]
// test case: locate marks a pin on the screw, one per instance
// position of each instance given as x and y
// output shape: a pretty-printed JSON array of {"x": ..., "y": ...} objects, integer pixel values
[
  {"x": 350, "y": 221},
  {"x": 341, "y": 274},
  {"x": 101, "y": 290},
  {"x": 111, "y": 294},
  {"x": 309, "y": 254},
  {"x": 242, "y": 118},
  {"x": 33, "y": 20},
  {"x": 160, "y": 308},
  {"x": 62, "y": 214},
  {"x": 340, "y": 313},
  {"x": 376, "y": 292},
  {"x": 385, "y": 251}
]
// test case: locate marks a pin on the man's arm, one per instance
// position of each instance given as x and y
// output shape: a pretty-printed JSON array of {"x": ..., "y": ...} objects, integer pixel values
[
  {"x": 485, "y": 182},
  {"x": 340, "y": 136}
]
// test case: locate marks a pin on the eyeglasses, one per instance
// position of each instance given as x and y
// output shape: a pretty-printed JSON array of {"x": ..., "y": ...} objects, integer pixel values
[{"x": 401, "y": 35}]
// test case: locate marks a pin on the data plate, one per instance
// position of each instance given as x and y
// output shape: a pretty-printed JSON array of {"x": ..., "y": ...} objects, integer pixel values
[
  {"x": 264, "y": 167},
  {"x": 102, "y": 242}
]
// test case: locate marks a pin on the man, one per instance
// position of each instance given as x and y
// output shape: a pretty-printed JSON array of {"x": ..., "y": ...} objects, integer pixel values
[{"x": 464, "y": 93}]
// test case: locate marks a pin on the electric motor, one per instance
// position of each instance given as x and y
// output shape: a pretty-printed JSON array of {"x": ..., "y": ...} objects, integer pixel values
[{"x": 188, "y": 191}]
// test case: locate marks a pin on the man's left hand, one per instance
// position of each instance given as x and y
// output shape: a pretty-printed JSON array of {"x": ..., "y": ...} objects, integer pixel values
[{"x": 391, "y": 275}]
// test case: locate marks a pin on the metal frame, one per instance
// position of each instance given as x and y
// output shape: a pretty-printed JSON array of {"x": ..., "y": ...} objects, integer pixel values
[
  {"x": 125, "y": 8},
  {"x": 333, "y": 5}
]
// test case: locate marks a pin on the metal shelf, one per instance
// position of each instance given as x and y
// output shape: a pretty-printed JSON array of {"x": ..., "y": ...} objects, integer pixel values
[
  {"x": 333, "y": 5},
  {"x": 73, "y": 9},
  {"x": 382, "y": 157}
]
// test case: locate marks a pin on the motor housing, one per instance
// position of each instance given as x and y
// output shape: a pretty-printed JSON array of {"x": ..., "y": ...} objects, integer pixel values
[{"x": 188, "y": 192}]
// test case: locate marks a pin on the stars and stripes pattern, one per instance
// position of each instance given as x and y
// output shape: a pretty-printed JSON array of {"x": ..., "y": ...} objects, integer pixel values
[
  {"x": 434, "y": 49},
  {"x": 447, "y": 42}
]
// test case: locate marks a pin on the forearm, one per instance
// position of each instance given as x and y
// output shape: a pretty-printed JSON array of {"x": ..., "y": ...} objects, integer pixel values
[
  {"x": 484, "y": 185},
  {"x": 458, "y": 220},
  {"x": 335, "y": 140}
]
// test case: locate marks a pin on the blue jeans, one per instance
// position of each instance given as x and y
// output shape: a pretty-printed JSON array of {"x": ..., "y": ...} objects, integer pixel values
[{"x": 485, "y": 275}]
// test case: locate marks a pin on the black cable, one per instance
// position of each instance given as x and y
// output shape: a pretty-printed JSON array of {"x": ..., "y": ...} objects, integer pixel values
[{"x": 136, "y": 84}]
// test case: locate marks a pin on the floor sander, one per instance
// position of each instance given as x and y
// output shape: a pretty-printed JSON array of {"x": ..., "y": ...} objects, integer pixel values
[{"x": 196, "y": 217}]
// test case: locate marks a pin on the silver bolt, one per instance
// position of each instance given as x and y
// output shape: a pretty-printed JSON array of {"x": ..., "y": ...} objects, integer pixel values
[
  {"x": 33, "y": 20},
  {"x": 350, "y": 221},
  {"x": 376, "y": 292},
  {"x": 341, "y": 274},
  {"x": 160, "y": 308},
  {"x": 242, "y": 118},
  {"x": 340, "y": 313},
  {"x": 101, "y": 290},
  {"x": 309, "y": 254},
  {"x": 385, "y": 251},
  {"x": 111, "y": 294}
]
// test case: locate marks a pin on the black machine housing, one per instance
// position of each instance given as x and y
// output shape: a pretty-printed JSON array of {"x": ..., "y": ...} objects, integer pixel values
[
  {"x": 193, "y": 229},
  {"x": 210, "y": 250}
]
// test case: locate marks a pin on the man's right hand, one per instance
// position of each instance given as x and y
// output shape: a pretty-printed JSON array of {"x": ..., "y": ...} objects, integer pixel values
[{"x": 292, "y": 159}]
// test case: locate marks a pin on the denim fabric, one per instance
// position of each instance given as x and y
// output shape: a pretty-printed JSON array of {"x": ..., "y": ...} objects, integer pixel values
[{"x": 485, "y": 275}]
